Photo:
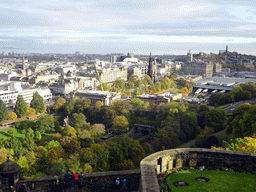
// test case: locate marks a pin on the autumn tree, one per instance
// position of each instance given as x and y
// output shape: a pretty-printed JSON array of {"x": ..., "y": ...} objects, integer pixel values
[
  {"x": 69, "y": 131},
  {"x": 3, "y": 111},
  {"x": 12, "y": 116},
  {"x": 3, "y": 154},
  {"x": 59, "y": 104},
  {"x": 146, "y": 79},
  {"x": 97, "y": 130},
  {"x": 78, "y": 121},
  {"x": 37, "y": 103},
  {"x": 20, "y": 107},
  {"x": 120, "y": 124},
  {"x": 84, "y": 137},
  {"x": 31, "y": 111},
  {"x": 102, "y": 155}
]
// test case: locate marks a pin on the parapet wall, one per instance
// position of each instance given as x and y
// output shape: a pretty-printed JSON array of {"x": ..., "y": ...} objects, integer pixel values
[
  {"x": 99, "y": 181},
  {"x": 160, "y": 162}
]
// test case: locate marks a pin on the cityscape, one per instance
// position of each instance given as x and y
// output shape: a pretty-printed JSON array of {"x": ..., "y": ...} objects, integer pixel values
[{"x": 127, "y": 96}]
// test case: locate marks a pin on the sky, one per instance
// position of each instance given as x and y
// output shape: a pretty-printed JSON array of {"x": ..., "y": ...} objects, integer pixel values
[{"x": 121, "y": 26}]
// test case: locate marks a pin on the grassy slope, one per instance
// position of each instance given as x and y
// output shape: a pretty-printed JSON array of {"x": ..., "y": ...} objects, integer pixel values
[
  {"x": 219, "y": 181},
  {"x": 5, "y": 133}
]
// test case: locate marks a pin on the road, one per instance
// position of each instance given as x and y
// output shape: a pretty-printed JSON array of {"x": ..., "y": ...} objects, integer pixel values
[{"x": 234, "y": 106}]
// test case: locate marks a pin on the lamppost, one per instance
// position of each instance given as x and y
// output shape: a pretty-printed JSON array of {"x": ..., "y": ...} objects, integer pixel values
[{"x": 201, "y": 170}]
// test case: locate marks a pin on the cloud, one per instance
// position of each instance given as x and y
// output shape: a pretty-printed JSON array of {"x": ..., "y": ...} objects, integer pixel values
[{"x": 33, "y": 23}]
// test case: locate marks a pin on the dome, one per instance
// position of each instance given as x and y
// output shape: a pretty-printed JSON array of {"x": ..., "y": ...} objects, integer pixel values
[{"x": 9, "y": 167}]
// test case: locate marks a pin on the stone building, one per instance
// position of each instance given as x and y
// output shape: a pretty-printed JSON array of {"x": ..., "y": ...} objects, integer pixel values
[
  {"x": 154, "y": 99},
  {"x": 198, "y": 68},
  {"x": 217, "y": 68},
  {"x": 105, "y": 97},
  {"x": 108, "y": 75}
]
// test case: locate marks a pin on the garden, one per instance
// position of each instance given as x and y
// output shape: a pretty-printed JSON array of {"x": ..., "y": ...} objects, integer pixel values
[{"x": 226, "y": 180}]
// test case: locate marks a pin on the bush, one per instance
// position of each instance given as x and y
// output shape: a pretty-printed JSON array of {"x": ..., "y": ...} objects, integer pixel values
[
  {"x": 10, "y": 131},
  {"x": 12, "y": 116}
]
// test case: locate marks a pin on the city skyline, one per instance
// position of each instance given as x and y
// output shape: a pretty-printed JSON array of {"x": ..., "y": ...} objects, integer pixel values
[{"x": 101, "y": 27}]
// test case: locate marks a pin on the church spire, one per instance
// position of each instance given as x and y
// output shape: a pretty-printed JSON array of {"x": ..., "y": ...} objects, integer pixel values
[{"x": 150, "y": 67}]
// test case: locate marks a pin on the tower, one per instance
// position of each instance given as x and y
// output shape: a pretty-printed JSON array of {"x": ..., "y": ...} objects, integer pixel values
[
  {"x": 150, "y": 67},
  {"x": 226, "y": 55},
  {"x": 190, "y": 56},
  {"x": 23, "y": 66},
  {"x": 23, "y": 63}
]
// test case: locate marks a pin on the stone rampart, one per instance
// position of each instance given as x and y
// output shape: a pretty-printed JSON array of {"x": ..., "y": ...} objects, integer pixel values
[
  {"x": 160, "y": 162},
  {"x": 99, "y": 181}
]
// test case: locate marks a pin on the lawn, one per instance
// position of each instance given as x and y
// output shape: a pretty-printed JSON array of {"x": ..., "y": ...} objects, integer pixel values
[
  {"x": 219, "y": 181},
  {"x": 5, "y": 133}
]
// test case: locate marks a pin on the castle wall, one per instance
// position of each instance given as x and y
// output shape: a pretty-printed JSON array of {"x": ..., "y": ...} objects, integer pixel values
[
  {"x": 100, "y": 182},
  {"x": 159, "y": 162}
]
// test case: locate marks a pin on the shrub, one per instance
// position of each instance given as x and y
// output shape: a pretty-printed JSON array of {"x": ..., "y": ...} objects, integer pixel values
[{"x": 12, "y": 116}]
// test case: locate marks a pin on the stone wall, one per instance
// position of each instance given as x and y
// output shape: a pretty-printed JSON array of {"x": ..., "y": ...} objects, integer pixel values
[
  {"x": 160, "y": 162},
  {"x": 100, "y": 182}
]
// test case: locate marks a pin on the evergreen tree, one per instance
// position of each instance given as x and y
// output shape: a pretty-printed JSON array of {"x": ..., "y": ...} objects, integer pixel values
[
  {"x": 20, "y": 107},
  {"x": 37, "y": 102},
  {"x": 3, "y": 111}
]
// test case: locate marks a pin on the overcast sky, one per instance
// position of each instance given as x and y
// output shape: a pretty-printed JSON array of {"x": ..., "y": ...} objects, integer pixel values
[{"x": 121, "y": 26}]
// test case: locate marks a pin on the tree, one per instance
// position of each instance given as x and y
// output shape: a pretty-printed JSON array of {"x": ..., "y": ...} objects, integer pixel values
[
  {"x": 59, "y": 104},
  {"x": 37, "y": 103},
  {"x": 38, "y": 136},
  {"x": 120, "y": 84},
  {"x": 115, "y": 154},
  {"x": 29, "y": 141},
  {"x": 3, "y": 154},
  {"x": 188, "y": 124},
  {"x": 70, "y": 106},
  {"x": 120, "y": 124},
  {"x": 73, "y": 163},
  {"x": 138, "y": 104},
  {"x": 147, "y": 80},
  {"x": 216, "y": 119},
  {"x": 131, "y": 149},
  {"x": 84, "y": 137},
  {"x": 97, "y": 130},
  {"x": 102, "y": 155},
  {"x": 17, "y": 147},
  {"x": 3, "y": 111},
  {"x": 58, "y": 168},
  {"x": 69, "y": 131},
  {"x": 20, "y": 107},
  {"x": 52, "y": 156},
  {"x": 70, "y": 144},
  {"x": 82, "y": 105},
  {"x": 87, "y": 168},
  {"x": 88, "y": 156},
  {"x": 78, "y": 121},
  {"x": 23, "y": 163},
  {"x": 31, "y": 111},
  {"x": 45, "y": 124},
  {"x": 12, "y": 116}
]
